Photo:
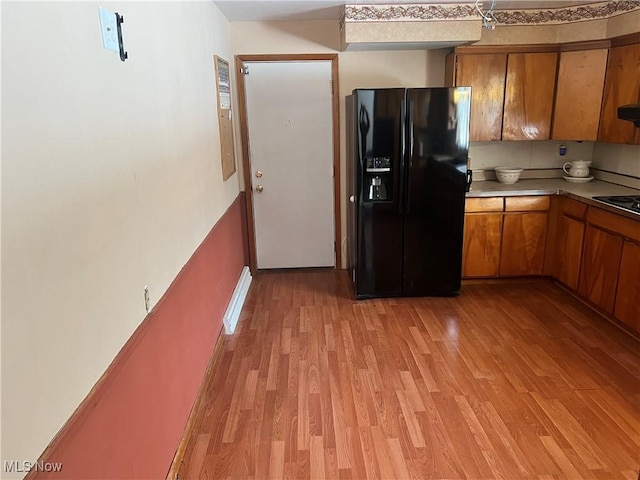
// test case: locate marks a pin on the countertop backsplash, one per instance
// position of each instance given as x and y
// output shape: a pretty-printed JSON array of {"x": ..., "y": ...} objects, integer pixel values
[
  {"x": 619, "y": 164},
  {"x": 527, "y": 155},
  {"x": 614, "y": 158}
]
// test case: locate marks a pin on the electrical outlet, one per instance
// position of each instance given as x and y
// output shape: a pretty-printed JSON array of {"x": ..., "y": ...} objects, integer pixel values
[
  {"x": 109, "y": 30},
  {"x": 146, "y": 298},
  {"x": 562, "y": 150}
]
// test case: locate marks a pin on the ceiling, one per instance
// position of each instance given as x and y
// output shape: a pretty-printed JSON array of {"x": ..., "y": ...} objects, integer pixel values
[{"x": 292, "y": 10}]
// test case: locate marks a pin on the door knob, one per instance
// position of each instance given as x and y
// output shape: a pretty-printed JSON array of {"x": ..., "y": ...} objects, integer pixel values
[
  {"x": 259, "y": 188},
  {"x": 259, "y": 174}
]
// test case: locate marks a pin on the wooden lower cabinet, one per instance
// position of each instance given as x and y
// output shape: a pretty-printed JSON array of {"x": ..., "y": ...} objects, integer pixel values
[
  {"x": 627, "y": 306},
  {"x": 597, "y": 254},
  {"x": 568, "y": 250},
  {"x": 482, "y": 240},
  {"x": 523, "y": 244},
  {"x": 505, "y": 236},
  {"x": 592, "y": 251},
  {"x": 599, "y": 270}
]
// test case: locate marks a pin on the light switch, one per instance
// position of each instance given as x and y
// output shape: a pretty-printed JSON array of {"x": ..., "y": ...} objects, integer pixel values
[{"x": 109, "y": 29}]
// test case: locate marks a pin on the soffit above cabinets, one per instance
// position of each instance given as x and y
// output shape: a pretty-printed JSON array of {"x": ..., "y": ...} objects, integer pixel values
[
  {"x": 426, "y": 26},
  {"x": 303, "y": 10},
  {"x": 423, "y": 26},
  {"x": 397, "y": 24},
  {"x": 294, "y": 10}
]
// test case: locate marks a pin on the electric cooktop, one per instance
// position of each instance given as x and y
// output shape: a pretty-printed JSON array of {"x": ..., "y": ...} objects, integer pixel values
[{"x": 627, "y": 202}]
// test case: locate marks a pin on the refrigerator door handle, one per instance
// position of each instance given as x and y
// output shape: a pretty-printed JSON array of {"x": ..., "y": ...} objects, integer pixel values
[
  {"x": 409, "y": 159},
  {"x": 401, "y": 174}
]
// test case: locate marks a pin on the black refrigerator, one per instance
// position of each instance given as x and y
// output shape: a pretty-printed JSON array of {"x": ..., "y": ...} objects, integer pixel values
[{"x": 407, "y": 178}]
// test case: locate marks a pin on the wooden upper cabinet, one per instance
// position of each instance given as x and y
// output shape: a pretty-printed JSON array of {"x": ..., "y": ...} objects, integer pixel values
[
  {"x": 485, "y": 74},
  {"x": 622, "y": 87},
  {"x": 579, "y": 94},
  {"x": 528, "y": 99}
]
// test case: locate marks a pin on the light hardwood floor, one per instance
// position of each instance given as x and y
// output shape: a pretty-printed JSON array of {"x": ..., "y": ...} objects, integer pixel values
[{"x": 506, "y": 381}]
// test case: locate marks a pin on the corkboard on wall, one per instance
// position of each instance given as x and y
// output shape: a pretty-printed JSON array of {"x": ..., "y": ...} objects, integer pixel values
[{"x": 225, "y": 124}]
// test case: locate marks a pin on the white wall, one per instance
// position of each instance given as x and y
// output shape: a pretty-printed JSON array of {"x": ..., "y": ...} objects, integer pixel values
[
  {"x": 111, "y": 178},
  {"x": 403, "y": 68}
]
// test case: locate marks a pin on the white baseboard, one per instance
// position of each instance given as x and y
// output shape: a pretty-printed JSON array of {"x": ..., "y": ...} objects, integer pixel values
[{"x": 232, "y": 315}]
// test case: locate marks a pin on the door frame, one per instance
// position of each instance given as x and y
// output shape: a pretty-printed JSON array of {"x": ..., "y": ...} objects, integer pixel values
[{"x": 244, "y": 138}]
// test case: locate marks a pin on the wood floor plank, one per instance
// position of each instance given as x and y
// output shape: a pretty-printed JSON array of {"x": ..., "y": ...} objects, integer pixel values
[
  {"x": 234, "y": 409},
  {"x": 398, "y": 461},
  {"x": 339, "y": 421},
  {"x": 331, "y": 470},
  {"x": 507, "y": 443},
  {"x": 410, "y": 420},
  {"x": 621, "y": 411},
  {"x": 316, "y": 454},
  {"x": 384, "y": 460},
  {"x": 304, "y": 433},
  {"x": 572, "y": 431},
  {"x": 516, "y": 380},
  {"x": 369, "y": 453},
  {"x": 561, "y": 459},
  {"x": 276, "y": 460}
]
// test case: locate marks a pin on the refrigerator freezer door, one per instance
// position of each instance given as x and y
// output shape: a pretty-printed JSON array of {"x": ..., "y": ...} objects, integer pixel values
[
  {"x": 378, "y": 155},
  {"x": 435, "y": 183}
]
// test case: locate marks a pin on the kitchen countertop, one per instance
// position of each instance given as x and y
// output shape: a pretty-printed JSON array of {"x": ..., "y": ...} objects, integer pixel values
[{"x": 551, "y": 186}]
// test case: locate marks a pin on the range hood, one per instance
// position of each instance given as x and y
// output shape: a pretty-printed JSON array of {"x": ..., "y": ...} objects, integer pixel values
[{"x": 631, "y": 113}]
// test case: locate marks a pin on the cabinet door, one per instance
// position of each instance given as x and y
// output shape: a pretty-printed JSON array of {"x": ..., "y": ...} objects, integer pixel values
[
  {"x": 485, "y": 74},
  {"x": 579, "y": 94},
  {"x": 523, "y": 242},
  {"x": 482, "y": 238},
  {"x": 528, "y": 99},
  {"x": 621, "y": 88},
  {"x": 599, "y": 270},
  {"x": 569, "y": 236},
  {"x": 627, "y": 308}
]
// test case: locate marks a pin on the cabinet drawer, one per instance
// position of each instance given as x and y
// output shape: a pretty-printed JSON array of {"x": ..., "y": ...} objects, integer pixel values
[
  {"x": 623, "y": 226},
  {"x": 573, "y": 208},
  {"x": 526, "y": 204},
  {"x": 490, "y": 204}
]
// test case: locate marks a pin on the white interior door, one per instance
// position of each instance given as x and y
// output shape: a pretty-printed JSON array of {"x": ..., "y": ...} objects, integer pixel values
[{"x": 289, "y": 117}]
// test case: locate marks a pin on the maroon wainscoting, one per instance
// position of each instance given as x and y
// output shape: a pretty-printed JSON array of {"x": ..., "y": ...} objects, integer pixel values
[{"x": 131, "y": 423}]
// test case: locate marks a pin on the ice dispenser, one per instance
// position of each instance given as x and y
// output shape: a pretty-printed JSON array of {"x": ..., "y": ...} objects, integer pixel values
[{"x": 377, "y": 173}]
